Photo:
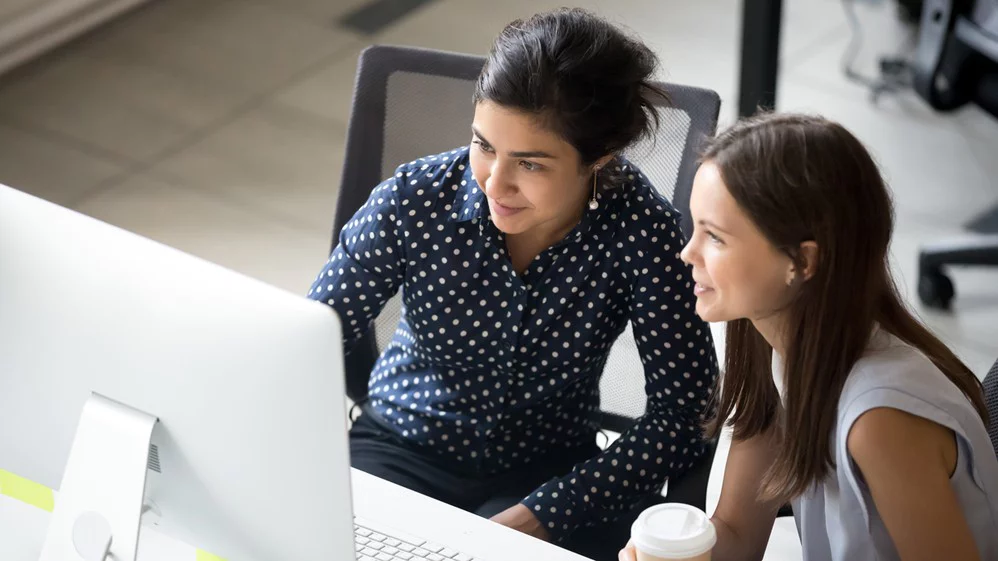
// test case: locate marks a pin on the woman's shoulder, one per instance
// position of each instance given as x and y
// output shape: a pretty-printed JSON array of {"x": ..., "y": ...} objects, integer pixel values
[
  {"x": 897, "y": 375},
  {"x": 889, "y": 362},
  {"x": 426, "y": 185},
  {"x": 638, "y": 205},
  {"x": 434, "y": 173}
]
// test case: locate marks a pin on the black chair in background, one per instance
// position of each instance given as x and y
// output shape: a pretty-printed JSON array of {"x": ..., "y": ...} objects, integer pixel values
[
  {"x": 991, "y": 399},
  {"x": 956, "y": 62}
]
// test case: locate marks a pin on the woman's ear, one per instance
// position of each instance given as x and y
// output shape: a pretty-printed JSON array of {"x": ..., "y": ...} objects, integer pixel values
[
  {"x": 602, "y": 162},
  {"x": 803, "y": 263},
  {"x": 808, "y": 258}
]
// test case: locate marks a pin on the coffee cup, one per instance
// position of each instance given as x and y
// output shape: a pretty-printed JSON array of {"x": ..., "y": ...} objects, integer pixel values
[{"x": 673, "y": 532}]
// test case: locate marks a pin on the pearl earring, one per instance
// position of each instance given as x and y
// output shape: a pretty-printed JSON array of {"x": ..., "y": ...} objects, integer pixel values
[{"x": 593, "y": 203}]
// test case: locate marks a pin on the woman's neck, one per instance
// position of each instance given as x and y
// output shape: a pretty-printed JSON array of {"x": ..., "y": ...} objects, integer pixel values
[
  {"x": 771, "y": 328},
  {"x": 525, "y": 246}
]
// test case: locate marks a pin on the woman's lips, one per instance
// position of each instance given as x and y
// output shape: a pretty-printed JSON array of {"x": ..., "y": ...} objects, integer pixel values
[{"x": 503, "y": 210}]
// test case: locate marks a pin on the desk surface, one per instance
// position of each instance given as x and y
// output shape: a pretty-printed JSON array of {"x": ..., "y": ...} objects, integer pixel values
[{"x": 22, "y": 529}]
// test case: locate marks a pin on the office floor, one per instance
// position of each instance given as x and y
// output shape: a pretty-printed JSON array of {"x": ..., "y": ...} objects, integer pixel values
[{"x": 217, "y": 126}]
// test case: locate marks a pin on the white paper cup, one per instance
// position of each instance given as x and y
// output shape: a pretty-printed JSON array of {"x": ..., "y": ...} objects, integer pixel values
[{"x": 673, "y": 532}]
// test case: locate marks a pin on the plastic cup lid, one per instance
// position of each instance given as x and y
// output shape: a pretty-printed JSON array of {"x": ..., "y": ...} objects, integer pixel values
[{"x": 673, "y": 531}]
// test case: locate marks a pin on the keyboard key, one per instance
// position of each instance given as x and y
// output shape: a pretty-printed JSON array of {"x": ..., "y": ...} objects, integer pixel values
[{"x": 393, "y": 545}]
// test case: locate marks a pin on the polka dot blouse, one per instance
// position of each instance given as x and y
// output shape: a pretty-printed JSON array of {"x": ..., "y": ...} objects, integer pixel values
[{"x": 490, "y": 369}]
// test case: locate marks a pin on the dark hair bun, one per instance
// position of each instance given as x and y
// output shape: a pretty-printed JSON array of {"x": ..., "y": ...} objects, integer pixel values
[{"x": 588, "y": 81}]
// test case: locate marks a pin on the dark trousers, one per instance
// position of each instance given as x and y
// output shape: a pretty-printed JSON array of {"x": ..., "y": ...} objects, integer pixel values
[{"x": 381, "y": 453}]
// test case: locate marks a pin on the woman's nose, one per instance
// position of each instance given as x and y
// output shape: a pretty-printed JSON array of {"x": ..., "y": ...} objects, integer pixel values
[
  {"x": 688, "y": 254},
  {"x": 498, "y": 185}
]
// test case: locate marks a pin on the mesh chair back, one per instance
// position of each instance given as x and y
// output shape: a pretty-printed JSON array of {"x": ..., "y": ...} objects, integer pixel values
[
  {"x": 411, "y": 102},
  {"x": 991, "y": 399}
]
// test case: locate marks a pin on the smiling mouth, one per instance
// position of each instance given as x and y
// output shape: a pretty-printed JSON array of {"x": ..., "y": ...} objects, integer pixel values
[{"x": 503, "y": 210}]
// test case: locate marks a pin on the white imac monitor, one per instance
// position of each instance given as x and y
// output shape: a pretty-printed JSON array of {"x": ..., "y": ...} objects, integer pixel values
[{"x": 140, "y": 381}]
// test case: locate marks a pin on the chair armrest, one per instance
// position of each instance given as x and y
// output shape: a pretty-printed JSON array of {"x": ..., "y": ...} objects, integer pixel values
[{"x": 978, "y": 38}]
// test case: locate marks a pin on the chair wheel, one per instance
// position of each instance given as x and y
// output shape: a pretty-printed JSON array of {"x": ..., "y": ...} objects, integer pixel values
[{"x": 935, "y": 290}]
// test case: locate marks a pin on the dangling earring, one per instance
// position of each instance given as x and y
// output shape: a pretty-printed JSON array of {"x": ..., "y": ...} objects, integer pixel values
[{"x": 593, "y": 203}]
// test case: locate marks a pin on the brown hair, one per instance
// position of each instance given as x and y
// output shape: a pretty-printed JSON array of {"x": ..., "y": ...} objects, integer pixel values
[{"x": 802, "y": 178}]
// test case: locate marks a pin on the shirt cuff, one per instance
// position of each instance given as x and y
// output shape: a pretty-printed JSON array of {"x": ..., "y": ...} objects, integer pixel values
[{"x": 557, "y": 508}]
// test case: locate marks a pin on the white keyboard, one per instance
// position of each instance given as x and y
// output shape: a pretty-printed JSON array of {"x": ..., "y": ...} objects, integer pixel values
[{"x": 376, "y": 543}]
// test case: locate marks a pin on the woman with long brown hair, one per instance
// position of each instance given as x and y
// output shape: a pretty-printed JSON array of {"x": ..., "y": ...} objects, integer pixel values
[{"x": 840, "y": 401}]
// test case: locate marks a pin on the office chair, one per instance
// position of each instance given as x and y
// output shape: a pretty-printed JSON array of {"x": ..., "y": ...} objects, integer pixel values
[
  {"x": 412, "y": 102},
  {"x": 956, "y": 62},
  {"x": 991, "y": 400}
]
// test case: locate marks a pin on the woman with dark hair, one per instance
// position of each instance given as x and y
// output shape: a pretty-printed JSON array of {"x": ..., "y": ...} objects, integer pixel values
[
  {"x": 521, "y": 258},
  {"x": 839, "y": 399}
]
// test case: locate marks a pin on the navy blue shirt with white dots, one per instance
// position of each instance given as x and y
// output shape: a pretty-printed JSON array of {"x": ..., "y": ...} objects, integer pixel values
[{"x": 490, "y": 369}]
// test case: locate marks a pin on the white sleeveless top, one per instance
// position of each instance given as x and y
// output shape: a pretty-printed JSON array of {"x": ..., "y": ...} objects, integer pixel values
[{"x": 837, "y": 519}]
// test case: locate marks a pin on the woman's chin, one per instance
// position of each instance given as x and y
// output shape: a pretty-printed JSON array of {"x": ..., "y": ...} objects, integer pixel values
[
  {"x": 510, "y": 224},
  {"x": 709, "y": 313}
]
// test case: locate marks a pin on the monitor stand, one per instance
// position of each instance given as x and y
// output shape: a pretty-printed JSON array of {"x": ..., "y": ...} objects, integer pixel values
[{"x": 99, "y": 507}]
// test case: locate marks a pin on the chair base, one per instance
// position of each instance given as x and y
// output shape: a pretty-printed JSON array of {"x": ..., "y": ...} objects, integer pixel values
[{"x": 935, "y": 288}]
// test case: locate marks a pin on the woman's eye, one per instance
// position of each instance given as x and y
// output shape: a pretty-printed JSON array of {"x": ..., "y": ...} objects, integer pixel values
[
  {"x": 529, "y": 166},
  {"x": 713, "y": 237},
  {"x": 483, "y": 147}
]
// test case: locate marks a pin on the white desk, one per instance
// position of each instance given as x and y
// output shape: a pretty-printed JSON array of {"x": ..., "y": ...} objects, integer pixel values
[{"x": 22, "y": 528}]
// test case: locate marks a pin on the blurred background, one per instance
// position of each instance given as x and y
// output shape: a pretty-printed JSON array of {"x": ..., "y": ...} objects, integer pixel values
[{"x": 218, "y": 126}]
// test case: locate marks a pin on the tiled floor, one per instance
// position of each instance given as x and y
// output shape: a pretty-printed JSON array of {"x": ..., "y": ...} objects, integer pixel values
[{"x": 217, "y": 126}]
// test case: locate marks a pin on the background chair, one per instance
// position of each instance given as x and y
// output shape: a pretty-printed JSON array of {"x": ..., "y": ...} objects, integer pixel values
[
  {"x": 956, "y": 62},
  {"x": 411, "y": 102},
  {"x": 991, "y": 399}
]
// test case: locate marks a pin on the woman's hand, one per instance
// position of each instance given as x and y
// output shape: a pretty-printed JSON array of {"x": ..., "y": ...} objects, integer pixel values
[
  {"x": 628, "y": 553},
  {"x": 520, "y": 518}
]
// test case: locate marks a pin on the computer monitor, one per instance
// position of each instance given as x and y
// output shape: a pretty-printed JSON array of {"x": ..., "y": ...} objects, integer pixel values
[{"x": 102, "y": 332}]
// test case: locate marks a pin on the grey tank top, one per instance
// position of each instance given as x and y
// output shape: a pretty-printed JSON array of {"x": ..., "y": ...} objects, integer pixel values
[{"x": 837, "y": 519}]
